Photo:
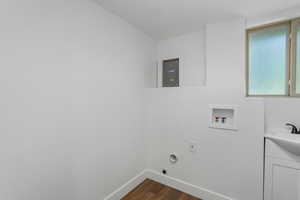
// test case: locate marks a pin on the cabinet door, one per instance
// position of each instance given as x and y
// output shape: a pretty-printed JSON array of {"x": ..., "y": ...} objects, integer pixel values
[{"x": 282, "y": 180}]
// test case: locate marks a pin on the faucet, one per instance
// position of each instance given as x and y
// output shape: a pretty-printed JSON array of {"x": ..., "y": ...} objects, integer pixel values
[{"x": 294, "y": 128}]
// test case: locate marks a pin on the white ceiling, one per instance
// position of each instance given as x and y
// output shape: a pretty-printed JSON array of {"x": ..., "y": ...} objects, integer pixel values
[{"x": 166, "y": 18}]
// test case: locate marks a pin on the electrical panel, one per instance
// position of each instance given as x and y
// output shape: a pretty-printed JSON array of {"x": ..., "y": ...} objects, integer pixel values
[{"x": 171, "y": 73}]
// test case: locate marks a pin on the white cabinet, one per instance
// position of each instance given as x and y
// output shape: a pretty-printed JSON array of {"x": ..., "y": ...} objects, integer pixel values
[
  {"x": 282, "y": 180},
  {"x": 282, "y": 174}
]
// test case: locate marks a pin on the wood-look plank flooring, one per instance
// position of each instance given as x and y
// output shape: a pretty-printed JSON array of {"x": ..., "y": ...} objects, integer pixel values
[{"x": 151, "y": 190}]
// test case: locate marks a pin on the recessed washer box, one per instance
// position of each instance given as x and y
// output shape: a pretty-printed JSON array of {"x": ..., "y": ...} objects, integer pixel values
[{"x": 223, "y": 117}]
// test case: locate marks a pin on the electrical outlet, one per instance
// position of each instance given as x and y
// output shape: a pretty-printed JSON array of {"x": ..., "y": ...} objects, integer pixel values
[{"x": 192, "y": 146}]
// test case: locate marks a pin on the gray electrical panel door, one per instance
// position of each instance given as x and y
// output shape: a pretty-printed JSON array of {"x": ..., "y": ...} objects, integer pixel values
[{"x": 171, "y": 73}]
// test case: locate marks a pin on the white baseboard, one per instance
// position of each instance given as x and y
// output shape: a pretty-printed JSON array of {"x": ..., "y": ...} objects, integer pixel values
[
  {"x": 183, "y": 186},
  {"x": 127, "y": 187}
]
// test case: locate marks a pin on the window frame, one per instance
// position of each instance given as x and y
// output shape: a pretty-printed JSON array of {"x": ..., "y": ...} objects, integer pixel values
[
  {"x": 290, "y": 56},
  {"x": 293, "y": 57}
]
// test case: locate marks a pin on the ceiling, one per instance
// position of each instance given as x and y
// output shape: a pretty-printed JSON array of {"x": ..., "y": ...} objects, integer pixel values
[{"x": 166, "y": 18}]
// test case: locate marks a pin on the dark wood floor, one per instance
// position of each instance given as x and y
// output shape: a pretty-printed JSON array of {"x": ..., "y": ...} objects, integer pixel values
[{"x": 151, "y": 190}]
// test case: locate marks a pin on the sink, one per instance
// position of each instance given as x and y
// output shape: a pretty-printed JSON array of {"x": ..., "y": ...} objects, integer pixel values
[{"x": 288, "y": 141}]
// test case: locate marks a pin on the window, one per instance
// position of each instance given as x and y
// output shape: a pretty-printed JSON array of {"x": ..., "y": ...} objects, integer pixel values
[
  {"x": 295, "y": 58},
  {"x": 273, "y": 60}
]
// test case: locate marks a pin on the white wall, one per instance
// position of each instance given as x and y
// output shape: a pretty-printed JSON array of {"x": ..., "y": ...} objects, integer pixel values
[
  {"x": 190, "y": 49},
  {"x": 285, "y": 14},
  {"x": 72, "y": 98},
  {"x": 71, "y": 82},
  {"x": 177, "y": 116},
  {"x": 279, "y": 111},
  {"x": 230, "y": 163}
]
